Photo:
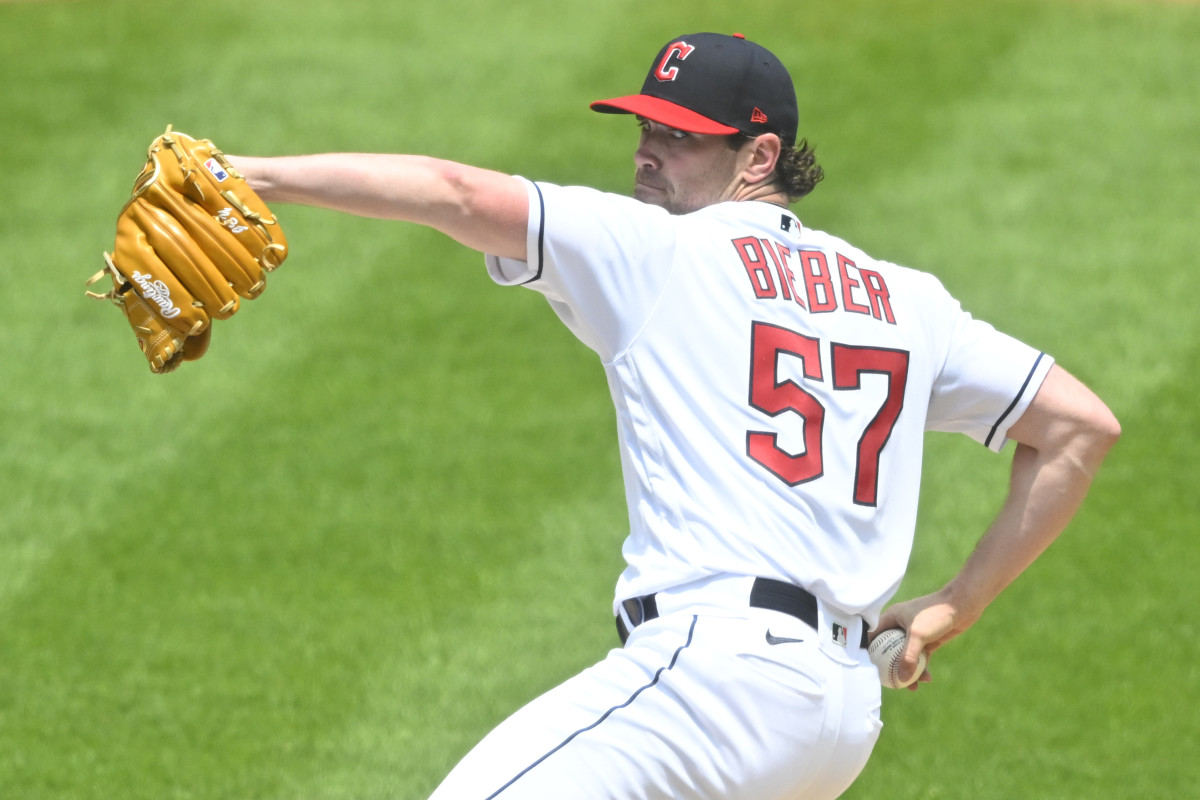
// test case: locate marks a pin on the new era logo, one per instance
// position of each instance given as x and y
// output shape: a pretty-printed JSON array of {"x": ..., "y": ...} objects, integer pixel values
[{"x": 758, "y": 116}]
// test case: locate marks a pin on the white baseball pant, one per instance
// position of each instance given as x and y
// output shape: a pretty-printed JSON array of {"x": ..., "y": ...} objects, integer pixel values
[{"x": 698, "y": 704}]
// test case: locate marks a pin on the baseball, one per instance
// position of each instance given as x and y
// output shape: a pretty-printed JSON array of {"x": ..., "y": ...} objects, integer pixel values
[{"x": 885, "y": 651}]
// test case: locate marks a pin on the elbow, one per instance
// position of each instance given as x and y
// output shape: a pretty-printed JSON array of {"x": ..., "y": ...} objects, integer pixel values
[
  {"x": 1111, "y": 431},
  {"x": 1067, "y": 419},
  {"x": 1098, "y": 435},
  {"x": 1103, "y": 425}
]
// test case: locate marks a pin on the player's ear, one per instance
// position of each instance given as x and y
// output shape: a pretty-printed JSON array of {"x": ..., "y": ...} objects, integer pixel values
[{"x": 761, "y": 154}]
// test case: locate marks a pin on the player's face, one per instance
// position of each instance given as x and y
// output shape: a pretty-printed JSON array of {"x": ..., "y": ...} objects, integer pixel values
[{"x": 682, "y": 172}]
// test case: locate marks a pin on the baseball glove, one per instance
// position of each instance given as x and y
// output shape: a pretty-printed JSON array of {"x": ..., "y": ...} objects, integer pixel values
[{"x": 191, "y": 241}]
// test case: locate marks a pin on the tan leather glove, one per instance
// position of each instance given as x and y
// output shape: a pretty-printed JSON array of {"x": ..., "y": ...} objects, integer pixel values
[{"x": 192, "y": 239}]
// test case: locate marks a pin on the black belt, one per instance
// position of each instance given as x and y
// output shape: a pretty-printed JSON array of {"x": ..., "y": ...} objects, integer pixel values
[{"x": 765, "y": 593}]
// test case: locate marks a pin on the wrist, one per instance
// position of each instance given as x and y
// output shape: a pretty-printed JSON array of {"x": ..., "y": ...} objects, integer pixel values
[{"x": 964, "y": 601}]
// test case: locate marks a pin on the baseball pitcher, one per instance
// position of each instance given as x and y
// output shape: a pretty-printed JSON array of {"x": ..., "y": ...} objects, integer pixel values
[{"x": 772, "y": 386}]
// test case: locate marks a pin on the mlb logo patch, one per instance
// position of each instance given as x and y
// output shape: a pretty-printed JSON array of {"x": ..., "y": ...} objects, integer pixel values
[
  {"x": 839, "y": 634},
  {"x": 218, "y": 172}
]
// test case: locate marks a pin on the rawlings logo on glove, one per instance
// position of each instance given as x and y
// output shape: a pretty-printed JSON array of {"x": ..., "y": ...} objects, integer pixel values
[
  {"x": 191, "y": 241},
  {"x": 158, "y": 292}
]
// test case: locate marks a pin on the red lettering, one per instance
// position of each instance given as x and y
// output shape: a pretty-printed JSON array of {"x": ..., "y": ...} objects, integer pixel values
[
  {"x": 853, "y": 289},
  {"x": 750, "y": 251},
  {"x": 784, "y": 283},
  {"x": 848, "y": 286},
  {"x": 878, "y": 295},
  {"x": 818, "y": 281},
  {"x": 787, "y": 281}
]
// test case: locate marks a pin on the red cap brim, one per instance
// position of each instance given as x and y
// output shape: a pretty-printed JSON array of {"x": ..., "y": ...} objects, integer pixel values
[{"x": 663, "y": 112}]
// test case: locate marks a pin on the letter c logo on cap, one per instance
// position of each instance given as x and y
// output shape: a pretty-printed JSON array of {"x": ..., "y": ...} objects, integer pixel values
[{"x": 680, "y": 49}]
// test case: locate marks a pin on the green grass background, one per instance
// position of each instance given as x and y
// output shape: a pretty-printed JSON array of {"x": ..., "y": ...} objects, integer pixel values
[{"x": 385, "y": 510}]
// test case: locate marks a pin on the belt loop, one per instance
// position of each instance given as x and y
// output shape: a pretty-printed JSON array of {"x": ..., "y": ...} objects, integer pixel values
[
  {"x": 622, "y": 631},
  {"x": 640, "y": 609},
  {"x": 649, "y": 608},
  {"x": 633, "y": 612}
]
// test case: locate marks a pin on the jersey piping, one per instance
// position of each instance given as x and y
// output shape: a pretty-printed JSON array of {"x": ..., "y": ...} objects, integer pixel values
[
  {"x": 653, "y": 682},
  {"x": 541, "y": 241},
  {"x": 1017, "y": 399}
]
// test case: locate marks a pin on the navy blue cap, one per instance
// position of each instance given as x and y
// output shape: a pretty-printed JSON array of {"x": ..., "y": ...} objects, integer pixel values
[{"x": 716, "y": 84}]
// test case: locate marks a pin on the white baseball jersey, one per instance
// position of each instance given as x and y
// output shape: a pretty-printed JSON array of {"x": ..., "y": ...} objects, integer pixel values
[{"x": 772, "y": 386}]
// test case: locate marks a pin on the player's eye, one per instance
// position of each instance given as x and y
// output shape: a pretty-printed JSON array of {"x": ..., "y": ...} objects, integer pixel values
[
  {"x": 671, "y": 137},
  {"x": 645, "y": 126}
]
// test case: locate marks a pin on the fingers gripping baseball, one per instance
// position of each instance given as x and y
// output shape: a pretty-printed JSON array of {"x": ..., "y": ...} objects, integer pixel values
[
  {"x": 923, "y": 627},
  {"x": 192, "y": 241},
  {"x": 890, "y": 651},
  {"x": 930, "y": 622},
  {"x": 914, "y": 665}
]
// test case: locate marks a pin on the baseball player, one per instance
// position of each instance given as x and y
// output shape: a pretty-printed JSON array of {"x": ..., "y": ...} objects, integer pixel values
[{"x": 772, "y": 386}]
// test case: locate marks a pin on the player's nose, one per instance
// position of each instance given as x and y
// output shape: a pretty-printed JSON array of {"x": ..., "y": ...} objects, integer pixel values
[{"x": 644, "y": 156}]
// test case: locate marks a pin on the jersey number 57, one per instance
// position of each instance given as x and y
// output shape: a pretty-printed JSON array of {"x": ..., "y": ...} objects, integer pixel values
[{"x": 773, "y": 397}]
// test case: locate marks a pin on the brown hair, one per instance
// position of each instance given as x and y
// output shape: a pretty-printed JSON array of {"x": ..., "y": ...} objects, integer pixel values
[{"x": 796, "y": 172}]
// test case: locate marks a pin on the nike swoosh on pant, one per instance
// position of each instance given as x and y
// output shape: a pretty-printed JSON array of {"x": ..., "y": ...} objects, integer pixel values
[{"x": 772, "y": 639}]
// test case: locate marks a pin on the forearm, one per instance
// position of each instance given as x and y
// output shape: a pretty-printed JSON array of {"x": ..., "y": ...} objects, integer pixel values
[
  {"x": 485, "y": 210},
  {"x": 1063, "y": 437},
  {"x": 369, "y": 185},
  {"x": 1045, "y": 492}
]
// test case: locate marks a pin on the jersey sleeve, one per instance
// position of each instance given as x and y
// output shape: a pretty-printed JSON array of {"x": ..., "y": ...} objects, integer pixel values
[
  {"x": 987, "y": 381},
  {"x": 601, "y": 261}
]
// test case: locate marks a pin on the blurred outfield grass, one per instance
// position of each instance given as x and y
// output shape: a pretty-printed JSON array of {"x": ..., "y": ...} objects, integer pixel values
[{"x": 385, "y": 509}]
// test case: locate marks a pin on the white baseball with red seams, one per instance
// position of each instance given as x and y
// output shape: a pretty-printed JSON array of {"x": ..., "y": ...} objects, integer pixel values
[{"x": 887, "y": 652}]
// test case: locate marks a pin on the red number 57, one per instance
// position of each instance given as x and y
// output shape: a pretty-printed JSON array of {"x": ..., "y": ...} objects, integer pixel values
[{"x": 774, "y": 397}]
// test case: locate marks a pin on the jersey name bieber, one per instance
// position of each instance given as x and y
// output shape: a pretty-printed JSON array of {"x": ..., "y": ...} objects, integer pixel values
[{"x": 819, "y": 286}]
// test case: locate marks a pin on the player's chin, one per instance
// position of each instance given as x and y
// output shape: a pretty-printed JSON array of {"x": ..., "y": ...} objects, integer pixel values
[
  {"x": 650, "y": 194},
  {"x": 665, "y": 201}
]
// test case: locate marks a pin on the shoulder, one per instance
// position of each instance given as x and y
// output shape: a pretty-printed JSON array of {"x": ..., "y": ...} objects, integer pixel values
[
  {"x": 587, "y": 225},
  {"x": 899, "y": 275},
  {"x": 570, "y": 196}
]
